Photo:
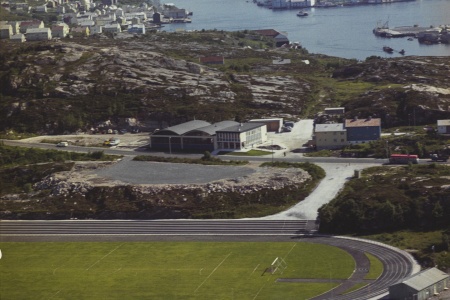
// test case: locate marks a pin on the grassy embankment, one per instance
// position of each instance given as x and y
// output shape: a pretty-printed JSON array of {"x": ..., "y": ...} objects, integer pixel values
[
  {"x": 21, "y": 167},
  {"x": 405, "y": 206}
]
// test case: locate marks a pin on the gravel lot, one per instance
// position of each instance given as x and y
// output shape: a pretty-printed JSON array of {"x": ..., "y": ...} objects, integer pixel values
[{"x": 139, "y": 172}]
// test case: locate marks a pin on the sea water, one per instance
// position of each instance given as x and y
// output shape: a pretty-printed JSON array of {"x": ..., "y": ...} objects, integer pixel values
[{"x": 340, "y": 31}]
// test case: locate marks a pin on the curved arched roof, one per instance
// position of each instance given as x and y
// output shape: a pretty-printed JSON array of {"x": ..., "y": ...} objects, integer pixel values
[
  {"x": 182, "y": 128},
  {"x": 211, "y": 129}
]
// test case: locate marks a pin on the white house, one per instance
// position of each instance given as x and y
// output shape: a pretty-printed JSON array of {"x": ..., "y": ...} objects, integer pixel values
[
  {"x": 112, "y": 28},
  {"x": 41, "y": 8},
  {"x": 38, "y": 34},
  {"x": 137, "y": 28},
  {"x": 96, "y": 29},
  {"x": 330, "y": 136},
  {"x": 15, "y": 26},
  {"x": 19, "y": 38},
  {"x": 443, "y": 126}
]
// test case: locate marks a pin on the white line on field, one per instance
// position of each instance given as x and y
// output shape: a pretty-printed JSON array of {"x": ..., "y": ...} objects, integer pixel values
[
  {"x": 258, "y": 292},
  {"x": 54, "y": 294},
  {"x": 255, "y": 269},
  {"x": 212, "y": 272},
  {"x": 290, "y": 251},
  {"x": 104, "y": 257}
]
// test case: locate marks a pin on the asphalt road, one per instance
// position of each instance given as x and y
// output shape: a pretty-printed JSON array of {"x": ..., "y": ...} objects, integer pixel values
[{"x": 397, "y": 264}]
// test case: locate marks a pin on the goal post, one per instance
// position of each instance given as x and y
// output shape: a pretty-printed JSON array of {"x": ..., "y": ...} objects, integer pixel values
[{"x": 278, "y": 265}]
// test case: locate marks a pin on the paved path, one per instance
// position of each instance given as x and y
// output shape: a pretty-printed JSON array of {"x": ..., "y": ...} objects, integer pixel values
[{"x": 336, "y": 177}]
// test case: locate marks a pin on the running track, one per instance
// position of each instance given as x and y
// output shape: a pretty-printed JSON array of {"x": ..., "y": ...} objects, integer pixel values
[{"x": 397, "y": 264}]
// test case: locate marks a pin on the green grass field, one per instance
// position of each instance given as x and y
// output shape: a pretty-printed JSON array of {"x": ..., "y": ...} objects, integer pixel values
[{"x": 167, "y": 270}]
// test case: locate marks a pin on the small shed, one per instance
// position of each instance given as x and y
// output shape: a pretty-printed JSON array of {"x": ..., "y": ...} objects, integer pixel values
[
  {"x": 443, "y": 126},
  {"x": 335, "y": 110},
  {"x": 420, "y": 286}
]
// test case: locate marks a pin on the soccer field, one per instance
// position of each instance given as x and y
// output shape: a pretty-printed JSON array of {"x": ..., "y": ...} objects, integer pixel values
[{"x": 168, "y": 270}]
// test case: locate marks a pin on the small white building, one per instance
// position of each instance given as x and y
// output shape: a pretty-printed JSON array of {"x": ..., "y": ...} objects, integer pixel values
[
  {"x": 41, "y": 9},
  {"x": 443, "y": 126},
  {"x": 241, "y": 136},
  {"x": 421, "y": 286},
  {"x": 38, "y": 34},
  {"x": 96, "y": 29},
  {"x": 330, "y": 136},
  {"x": 114, "y": 28},
  {"x": 19, "y": 38},
  {"x": 15, "y": 26},
  {"x": 137, "y": 28}
]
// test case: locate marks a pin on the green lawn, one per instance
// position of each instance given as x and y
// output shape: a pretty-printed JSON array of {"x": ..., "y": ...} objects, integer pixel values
[
  {"x": 376, "y": 267},
  {"x": 166, "y": 270}
]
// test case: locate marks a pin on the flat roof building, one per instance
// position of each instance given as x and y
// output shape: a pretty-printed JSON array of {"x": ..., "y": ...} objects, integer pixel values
[
  {"x": 330, "y": 136},
  {"x": 420, "y": 286}
]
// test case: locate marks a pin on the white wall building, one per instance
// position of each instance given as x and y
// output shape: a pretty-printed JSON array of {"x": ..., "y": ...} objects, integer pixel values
[{"x": 38, "y": 34}]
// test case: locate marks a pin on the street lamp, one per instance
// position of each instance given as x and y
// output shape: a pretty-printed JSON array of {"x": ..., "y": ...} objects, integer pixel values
[
  {"x": 272, "y": 152},
  {"x": 170, "y": 146}
]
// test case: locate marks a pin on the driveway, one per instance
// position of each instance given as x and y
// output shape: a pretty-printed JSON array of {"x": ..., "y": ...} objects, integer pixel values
[
  {"x": 301, "y": 133},
  {"x": 336, "y": 177}
]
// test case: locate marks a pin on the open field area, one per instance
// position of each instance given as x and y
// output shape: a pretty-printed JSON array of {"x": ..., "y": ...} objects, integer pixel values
[{"x": 169, "y": 270}]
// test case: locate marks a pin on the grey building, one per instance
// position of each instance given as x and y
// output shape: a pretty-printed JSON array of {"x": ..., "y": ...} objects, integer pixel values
[{"x": 420, "y": 286}]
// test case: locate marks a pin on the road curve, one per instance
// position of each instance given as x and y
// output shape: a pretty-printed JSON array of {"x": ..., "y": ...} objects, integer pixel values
[{"x": 397, "y": 264}]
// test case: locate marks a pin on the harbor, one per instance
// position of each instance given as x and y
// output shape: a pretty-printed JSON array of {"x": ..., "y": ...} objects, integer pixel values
[
  {"x": 426, "y": 35},
  {"x": 340, "y": 32},
  {"x": 295, "y": 4}
]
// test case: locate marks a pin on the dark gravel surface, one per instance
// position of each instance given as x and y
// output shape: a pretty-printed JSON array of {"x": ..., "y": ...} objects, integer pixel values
[{"x": 140, "y": 172}]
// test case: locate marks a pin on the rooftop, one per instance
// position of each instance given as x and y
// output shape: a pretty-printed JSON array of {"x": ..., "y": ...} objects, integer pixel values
[
  {"x": 181, "y": 129},
  {"x": 329, "y": 127},
  {"x": 362, "y": 122},
  {"x": 211, "y": 129},
  {"x": 425, "y": 279},
  {"x": 242, "y": 127},
  {"x": 443, "y": 123}
]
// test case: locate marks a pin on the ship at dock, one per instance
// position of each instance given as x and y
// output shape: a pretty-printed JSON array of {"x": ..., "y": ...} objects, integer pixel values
[
  {"x": 427, "y": 35},
  {"x": 295, "y": 4}
]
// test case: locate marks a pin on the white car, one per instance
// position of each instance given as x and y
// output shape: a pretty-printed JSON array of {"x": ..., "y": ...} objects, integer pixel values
[{"x": 62, "y": 144}]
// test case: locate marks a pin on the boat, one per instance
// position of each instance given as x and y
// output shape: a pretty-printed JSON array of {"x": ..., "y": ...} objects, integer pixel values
[
  {"x": 402, "y": 52},
  {"x": 302, "y": 13},
  {"x": 388, "y": 49}
]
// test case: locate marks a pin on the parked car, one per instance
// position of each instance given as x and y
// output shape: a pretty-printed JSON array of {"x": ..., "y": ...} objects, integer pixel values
[
  {"x": 289, "y": 124},
  {"x": 286, "y": 128},
  {"x": 62, "y": 144},
  {"x": 114, "y": 141}
]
